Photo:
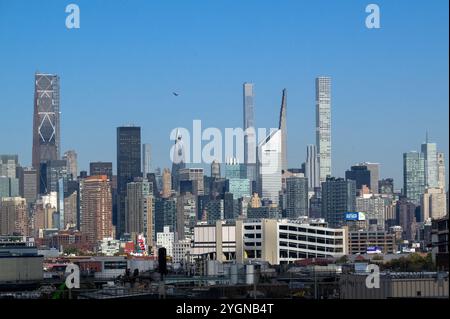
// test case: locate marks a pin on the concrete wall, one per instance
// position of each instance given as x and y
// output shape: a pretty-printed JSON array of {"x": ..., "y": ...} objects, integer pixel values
[{"x": 18, "y": 269}]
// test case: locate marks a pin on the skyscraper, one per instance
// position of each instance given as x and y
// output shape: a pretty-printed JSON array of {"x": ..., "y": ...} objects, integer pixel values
[
  {"x": 215, "y": 169},
  {"x": 166, "y": 183},
  {"x": 413, "y": 176},
  {"x": 72, "y": 166},
  {"x": 146, "y": 160},
  {"x": 194, "y": 175},
  {"x": 360, "y": 174},
  {"x": 429, "y": 151},
  {"x": 283, "y": 128},
  {"x": 178, "y": 161},
  {"x": 270, "y": 167},
  {"x": 28, "y": 184},
  {"x": 296, "y": 197},
  {"x": 312, "y": 167},
  {"x": 96, "y": 208},
  {"x": 139, "y": 208},
  {"x": 338, "y": 197},
  {"x": 374, "y": 169},
  {"x": 128, "y": 167},
  {"x": 323, "y": 125},
  {"x": 250, "y": 137},
  {"x": 441, "y": 170},
  {"x": 13, "y": 216},
  {"x": 46, "y": 119},
  {"x": 101, "y": 168}
]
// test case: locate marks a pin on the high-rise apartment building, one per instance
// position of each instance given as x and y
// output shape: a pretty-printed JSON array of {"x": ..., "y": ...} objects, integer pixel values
[
  {"x": 13, "y": 216},
  {"x": 312, "y": 167},
  {"x": 166, "y": 183},
  {"x": 249, "y": 127},
  {"x": 296, "y": 197},
  {"x": 338, "y": 198},
  {"x": 323, "y": 126},
  {"x": 96, "y": 208},
  {"x": 128, "y": 167},
  {"x": 146, "y": 160}
]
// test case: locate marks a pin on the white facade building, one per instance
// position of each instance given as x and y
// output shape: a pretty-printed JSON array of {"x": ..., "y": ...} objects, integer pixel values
[
  {"x": 166, "y": 239},
  {"x": 270, "y": 162}
]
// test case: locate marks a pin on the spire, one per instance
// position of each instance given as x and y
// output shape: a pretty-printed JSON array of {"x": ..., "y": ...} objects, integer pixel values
[{"x": 282, "y": 127}]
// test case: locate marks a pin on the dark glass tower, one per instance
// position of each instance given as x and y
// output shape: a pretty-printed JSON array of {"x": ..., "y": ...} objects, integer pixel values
[
  {"x": 46, "y": 119},
  {"x": 128, "y": 167}
]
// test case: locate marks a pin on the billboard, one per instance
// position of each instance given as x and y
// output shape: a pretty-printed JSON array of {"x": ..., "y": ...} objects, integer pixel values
[{"x": 355, "y": 216}]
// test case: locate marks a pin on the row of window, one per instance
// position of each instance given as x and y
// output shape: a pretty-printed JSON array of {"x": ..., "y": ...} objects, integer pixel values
[
  {"x": 310, "y": 230},
  {"x": 310, "y": 247}
]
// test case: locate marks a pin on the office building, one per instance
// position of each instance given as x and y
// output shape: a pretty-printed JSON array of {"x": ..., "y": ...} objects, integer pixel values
[
  {"x": 194, "y": 175},
  {"x": 166, "y": 183},
  {"x": 296, "y": 197},
  {"x": 338, "y": 197},
  {"x": 46, "y": 119},
  {"x": 50, "y": 173},
  {"x": 72, "y": 164},
  {"x": 28, "y": 184},
  {"x": 178, "y": 161},
  {"x": 270, "y": 167},
  {"x": 233, "y": 169},
  {"x": 429, "y": 151},
  {"x": 215, "y": 169},
  {"x": 360, "y": 174},
  {"x": 312, "y": 167},
  {"x": 101, "y": 168},
  {"x": 413, "y": 176},
  {"x": 323, "y": 126},
  {"x": 239, "y": 187},
  {"x": 386, "y": 186},
  {"x": 8, "y": 165},
  {"x": 128, "y": 167},
  {"x": 139, "y": 206},
  {"x": 96, "y": 208}
]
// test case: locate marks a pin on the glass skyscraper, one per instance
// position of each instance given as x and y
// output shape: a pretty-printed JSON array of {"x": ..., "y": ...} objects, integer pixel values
[
  {"x": 323, "y": 125},
  {"x": 128, "y": 167},
  {"x": 413, "y": 176}
]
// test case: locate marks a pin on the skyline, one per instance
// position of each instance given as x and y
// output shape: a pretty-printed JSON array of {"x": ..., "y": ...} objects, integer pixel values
[{"x": 88, "y": 98}]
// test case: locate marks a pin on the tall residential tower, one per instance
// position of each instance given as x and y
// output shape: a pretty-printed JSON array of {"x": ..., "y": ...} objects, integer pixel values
[{"x": 323, "y": 125}]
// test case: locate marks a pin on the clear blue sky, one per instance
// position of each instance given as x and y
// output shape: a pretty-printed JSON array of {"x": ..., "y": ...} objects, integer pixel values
[{"x": 389, "y": 85}]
